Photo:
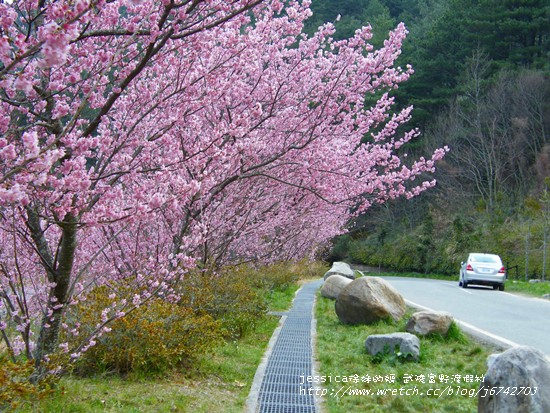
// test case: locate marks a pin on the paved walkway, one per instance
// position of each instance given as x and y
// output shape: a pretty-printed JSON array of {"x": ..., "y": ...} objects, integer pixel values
[{"x": 278, "y": 386}]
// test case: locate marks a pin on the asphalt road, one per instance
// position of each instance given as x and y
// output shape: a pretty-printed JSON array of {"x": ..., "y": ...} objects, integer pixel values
[{"x": 506, "y": 319}]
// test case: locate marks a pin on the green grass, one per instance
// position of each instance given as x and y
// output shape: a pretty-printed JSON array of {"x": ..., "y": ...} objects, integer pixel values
[
  {"x": 341, "y": 352},
  {"x": 217, "y": 382},
  {"x": 524, "y": 287},
  {"x": 221, "y": 380},
  {"x": 280, "y": 300}
]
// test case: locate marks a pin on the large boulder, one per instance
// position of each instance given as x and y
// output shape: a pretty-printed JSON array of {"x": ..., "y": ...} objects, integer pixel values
[
  {"x": 404, "y": 343},
  {"x": 340, "y": 268},
  {"x": 367, "y": 300},
  {"x": 517, "y": 380},
  {"x": 428, "y": 322},
  {"x": 334, "y": 285}
]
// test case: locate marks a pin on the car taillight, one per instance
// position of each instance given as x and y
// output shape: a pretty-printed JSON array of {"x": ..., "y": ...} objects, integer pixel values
[
  {"x": 502, "y": 270},
  {"x": 469, "y": 268}
]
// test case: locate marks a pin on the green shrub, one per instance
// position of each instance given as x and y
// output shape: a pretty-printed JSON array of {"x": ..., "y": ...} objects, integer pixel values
[
  {"x": 228, "y": 296},
  {"x": 340, "y": 248},
  {"x": 306, "y": 269},
  {"x": 153, "y": 338},
  {"x": 237, "y": 296},
  {"x": 15, "y": 387},
  {"x": 161, "y": 335},
  {"x": 363, "y": 252},
  {"x": 274, "y": 277}
]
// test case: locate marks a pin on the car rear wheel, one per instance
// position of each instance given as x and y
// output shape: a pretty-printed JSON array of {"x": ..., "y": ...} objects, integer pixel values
[
  {"x": 501, "y": 287},
  {"x": 464, "y": 284}
]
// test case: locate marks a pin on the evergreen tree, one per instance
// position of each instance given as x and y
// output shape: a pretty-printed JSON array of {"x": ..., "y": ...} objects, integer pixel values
[{"x": 513, "y": 33}]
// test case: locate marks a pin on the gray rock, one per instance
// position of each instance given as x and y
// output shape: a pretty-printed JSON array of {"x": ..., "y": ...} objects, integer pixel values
[
  {"x": 334, "y": 285},
  {"x": 340, "y": 268},
  {"x": 517, "y": 368},
  {"x": 546, "y": 296},
  {"x": 424, "y": 323},
  {"x": 405, "y": 343},
  {"x": 368, "y": 300}
]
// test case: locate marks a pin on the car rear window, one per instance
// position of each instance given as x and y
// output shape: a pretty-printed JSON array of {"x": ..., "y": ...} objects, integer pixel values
[{"x": 485, "y": 258}]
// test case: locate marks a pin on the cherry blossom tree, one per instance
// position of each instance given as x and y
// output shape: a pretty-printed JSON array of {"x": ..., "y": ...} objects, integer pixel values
[{"x": 139, "y": 138}]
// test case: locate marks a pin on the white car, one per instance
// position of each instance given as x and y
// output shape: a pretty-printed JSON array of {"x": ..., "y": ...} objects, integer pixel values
[{"x": 482, "y": 269}]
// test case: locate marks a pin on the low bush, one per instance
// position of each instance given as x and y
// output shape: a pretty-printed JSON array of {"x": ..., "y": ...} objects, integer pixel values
[
  {"x": 279, "y": 283},
  {"x": 238, "y": 296},
  {"x": 152, "y": 338},
  {"x": 277, "y": 276},
  {"x": 307, "y": 269},
  {"x": 15, "y": 387},
  {"x": 228, "y": 296},
  {"x": 161, "y": 335}
]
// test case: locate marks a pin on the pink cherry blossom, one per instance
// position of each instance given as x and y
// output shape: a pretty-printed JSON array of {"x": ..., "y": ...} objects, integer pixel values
[{"x": 135, "y": 145}]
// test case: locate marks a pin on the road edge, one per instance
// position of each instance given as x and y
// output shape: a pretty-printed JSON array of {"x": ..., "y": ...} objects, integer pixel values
[{"x": 485, "y": 337}]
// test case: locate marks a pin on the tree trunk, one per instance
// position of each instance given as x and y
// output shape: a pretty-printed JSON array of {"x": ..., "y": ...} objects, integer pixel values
[
  {"x": 527, "y": 247},
  {"x": 544, "y": 252},
  {"x": 59, "y": 275}
]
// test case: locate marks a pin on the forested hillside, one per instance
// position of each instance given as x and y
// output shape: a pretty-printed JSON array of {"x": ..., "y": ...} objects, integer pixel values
[{"x": 482, "y": 87}]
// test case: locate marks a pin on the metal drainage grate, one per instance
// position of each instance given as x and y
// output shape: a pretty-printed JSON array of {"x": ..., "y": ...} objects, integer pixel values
[{"x": 282, "y": 389}]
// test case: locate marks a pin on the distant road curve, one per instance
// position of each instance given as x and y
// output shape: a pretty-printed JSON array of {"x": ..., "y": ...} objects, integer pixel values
[{"x": 499, "y": 317}]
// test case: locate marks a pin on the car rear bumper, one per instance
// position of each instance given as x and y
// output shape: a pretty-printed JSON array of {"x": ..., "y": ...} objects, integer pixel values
[{"x": 484, "y": 279}]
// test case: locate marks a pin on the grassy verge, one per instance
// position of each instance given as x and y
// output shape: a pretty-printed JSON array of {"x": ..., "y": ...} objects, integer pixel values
[
  {"x": 524, "y": 287},
  {"x": 216, "y": 382},
  {"x": 219, "y": 381},
  {"x": 341, "y": 352},
  {"x": 280, "y": 300}
]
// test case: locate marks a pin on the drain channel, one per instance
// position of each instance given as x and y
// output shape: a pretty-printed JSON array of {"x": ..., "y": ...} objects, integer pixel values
[{"x": 283, "y": 389}]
